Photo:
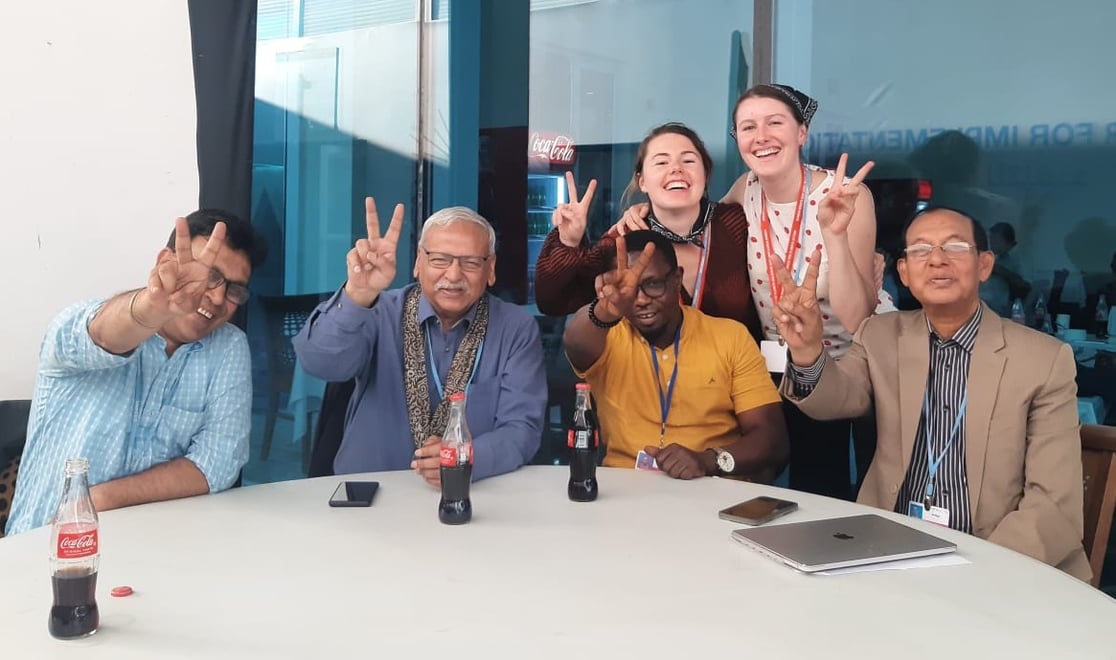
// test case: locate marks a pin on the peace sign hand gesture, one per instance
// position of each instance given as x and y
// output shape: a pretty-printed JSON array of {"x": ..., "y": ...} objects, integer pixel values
[
  {"x": 571, "y": 218},
  {"x": 837, "y": 207},
  {"x": 798, "y": 317},
  {"x": 179, "y": 280},
  {"x": 617, "y": 290},
  {"x": 371, "y": 262}
]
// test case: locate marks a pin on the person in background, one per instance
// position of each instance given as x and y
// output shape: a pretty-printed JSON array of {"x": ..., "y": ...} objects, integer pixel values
[
  {"x": 977, "y": 415},
  {"x": 152, "y": 385},
  {"x": 672, "y": 383},
  {"x": 410, "y": 348},
  {"x": 672, "y": 169},
  {"x": 1005, "y": 284}
]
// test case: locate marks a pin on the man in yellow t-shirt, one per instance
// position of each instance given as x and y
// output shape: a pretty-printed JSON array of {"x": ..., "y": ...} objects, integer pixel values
[{"x": 690, "y": 390}]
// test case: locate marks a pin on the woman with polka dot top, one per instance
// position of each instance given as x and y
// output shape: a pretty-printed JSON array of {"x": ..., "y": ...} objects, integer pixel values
[{"x": 792, "y": 208}]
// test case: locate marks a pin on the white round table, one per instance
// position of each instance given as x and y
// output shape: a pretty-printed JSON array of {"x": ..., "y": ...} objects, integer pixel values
[{"x": 646, "y": 571}]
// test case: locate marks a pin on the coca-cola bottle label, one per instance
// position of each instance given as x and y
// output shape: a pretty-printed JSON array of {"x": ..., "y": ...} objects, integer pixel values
[
  {"x": 580, "y": 439},
  {"x": 76, "y": 543},
  {"x": 453, "y": 456}
]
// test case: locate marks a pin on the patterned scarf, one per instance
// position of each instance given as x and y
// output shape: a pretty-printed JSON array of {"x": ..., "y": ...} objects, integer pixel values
[
  {"x": 423, "y": 422},
  {"x": 694, "y": 237}
]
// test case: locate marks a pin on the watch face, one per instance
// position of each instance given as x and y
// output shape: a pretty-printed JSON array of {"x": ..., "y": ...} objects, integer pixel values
[{"x": 725, "y": 461}]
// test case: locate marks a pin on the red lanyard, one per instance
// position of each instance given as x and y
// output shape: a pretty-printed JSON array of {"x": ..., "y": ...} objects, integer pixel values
[{"x": 793, "y": 240}]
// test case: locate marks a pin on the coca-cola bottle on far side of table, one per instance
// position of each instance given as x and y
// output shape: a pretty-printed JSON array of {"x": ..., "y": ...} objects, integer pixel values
[
  {"x": 584, "y": 439},
  {"x": 456, "y": 465},
  {"x": 74, "y": 557}
]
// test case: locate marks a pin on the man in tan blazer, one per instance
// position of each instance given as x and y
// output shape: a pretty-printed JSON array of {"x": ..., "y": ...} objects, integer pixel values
[{"x": 997, "y": 400}]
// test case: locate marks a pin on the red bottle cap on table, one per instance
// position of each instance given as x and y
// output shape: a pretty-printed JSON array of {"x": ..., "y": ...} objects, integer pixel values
[{"x": 120, "y": 592}]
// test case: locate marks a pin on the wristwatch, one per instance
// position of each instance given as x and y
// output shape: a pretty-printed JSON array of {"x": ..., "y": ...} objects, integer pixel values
[{"x": 725, "y": 461}]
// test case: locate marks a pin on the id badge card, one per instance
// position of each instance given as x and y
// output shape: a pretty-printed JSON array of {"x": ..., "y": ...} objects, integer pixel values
[
  {"x": 775, "y": 355},
  {"x": 935, "y": 514},
  {"x": 645, "y": 461}
]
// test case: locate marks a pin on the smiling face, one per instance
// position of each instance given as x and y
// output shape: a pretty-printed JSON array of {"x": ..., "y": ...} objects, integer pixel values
[
  {"x": 655, "y": 315},
  {"x": 941, "y": 281},
  {"x": 768, "y": 136},
  {"x": 216, "y": 309},
  {"x": 452, "y": 291},
  {"x": 672, "y": 174}
]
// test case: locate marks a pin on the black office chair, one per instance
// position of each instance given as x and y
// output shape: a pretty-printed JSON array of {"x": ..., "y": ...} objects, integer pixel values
[
  {"x": 331, "y": 427},
  {"x": 13, "y": 435}
]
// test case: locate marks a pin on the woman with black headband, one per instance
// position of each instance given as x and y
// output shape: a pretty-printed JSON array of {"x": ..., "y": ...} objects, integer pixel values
[{"x": 672, "y": 167}]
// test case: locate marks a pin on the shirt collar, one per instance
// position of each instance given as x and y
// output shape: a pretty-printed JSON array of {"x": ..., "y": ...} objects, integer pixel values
[
  {"x": 965, "y": 336},
  {"x": 426, "y": 312}
]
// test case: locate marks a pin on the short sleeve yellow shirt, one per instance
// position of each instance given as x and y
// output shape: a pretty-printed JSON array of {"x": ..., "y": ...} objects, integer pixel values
[{"x": 720, "y": 373}]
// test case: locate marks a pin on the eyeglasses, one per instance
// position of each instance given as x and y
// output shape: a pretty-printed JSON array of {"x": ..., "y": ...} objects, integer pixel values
[
  {"x": 442, "y": 261},
  {"x": 657, "y": 286},
  {"x": 237, "y": 293},
  {"x": 922, "y": 251}
]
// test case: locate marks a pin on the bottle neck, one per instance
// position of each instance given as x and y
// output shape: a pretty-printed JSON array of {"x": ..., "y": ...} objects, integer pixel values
[{"x": 582, "y": 400}]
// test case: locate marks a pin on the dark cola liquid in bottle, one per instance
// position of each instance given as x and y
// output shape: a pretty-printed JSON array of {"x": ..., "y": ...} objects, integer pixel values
[
  {"x": 583, "y": 442},
  {"x": 74, "y": 558},
  {"x": 456, "y": 466}
]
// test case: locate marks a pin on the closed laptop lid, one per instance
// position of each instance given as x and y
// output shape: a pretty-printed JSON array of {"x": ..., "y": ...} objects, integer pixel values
[{"x": 819, "y": 545}]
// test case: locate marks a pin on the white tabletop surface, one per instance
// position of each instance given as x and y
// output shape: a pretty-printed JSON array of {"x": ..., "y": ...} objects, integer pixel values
[{"x": 646, "y": 571}]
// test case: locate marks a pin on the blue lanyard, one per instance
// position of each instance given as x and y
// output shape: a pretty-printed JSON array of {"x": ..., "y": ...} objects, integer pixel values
[
  {"x": 434, "y": 367},
  {"x": 665, "y": 399},
  {"x": 931, "y": 462}
]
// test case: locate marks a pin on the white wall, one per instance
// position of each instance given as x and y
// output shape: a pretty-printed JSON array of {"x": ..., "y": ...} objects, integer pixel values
[{"x": 97, "y": 157}]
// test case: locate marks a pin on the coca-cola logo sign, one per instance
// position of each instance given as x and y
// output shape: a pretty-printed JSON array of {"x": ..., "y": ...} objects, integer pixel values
[
  {"x": 75, "y": 545},
  {"x": 553, "y": 147}
]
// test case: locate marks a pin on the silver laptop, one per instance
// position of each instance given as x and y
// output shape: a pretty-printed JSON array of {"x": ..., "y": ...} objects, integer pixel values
[{"x": 820, "y": 545}]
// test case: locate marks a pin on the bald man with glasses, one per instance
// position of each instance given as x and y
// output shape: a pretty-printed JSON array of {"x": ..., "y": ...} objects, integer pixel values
[
  {"x": 977, "y": 416},
  {"x": 410, "y": 348}
]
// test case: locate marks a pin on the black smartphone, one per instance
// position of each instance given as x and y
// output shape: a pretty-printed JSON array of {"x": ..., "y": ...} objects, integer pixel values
[
  {"x": 354, "y": 493},
  {"x": 758, "y": 510}
]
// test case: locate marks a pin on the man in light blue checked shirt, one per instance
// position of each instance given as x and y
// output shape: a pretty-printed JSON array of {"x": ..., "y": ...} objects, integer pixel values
[{"x": 152, "y": 385}]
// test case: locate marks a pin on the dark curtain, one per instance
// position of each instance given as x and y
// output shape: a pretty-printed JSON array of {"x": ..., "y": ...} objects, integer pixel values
[{"x": 223, "y": 36}]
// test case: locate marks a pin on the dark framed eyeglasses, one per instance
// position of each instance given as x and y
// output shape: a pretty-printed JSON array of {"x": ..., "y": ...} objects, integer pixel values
[
  {"x": 238, "y": 293},
  {"x": 442, "y": 261},
  {"x": 655, "y": 287}
]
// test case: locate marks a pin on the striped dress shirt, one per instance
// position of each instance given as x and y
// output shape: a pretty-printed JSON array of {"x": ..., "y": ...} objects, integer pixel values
[
  {"x": 946, "y": 385},
  {"x": 128, "y": 413}
]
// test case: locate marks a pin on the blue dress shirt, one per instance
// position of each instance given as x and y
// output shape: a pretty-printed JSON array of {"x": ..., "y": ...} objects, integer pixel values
[
  {"x": 126, "y": 414},
  {"x": 505, "y": 399}
]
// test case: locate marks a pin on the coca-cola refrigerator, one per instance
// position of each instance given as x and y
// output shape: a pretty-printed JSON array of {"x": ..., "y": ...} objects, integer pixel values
[{"x": 545, "y": 191}]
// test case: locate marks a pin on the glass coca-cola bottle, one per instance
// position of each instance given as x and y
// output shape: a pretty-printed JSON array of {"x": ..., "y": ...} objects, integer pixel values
[
  {"x": 456, "y": 465},
  {"x": 584, "y": 439},
  {"x": 74, "y": 557}
]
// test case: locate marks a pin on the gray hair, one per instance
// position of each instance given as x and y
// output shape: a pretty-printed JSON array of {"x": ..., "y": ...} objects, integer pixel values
[{"x": 454, "y": 214}]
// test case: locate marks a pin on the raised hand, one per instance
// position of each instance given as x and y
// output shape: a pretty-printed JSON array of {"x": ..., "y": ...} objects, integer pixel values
[
  {"x": 797, "y": 315},
  {"x": 571, "y": 218},
  {"x": 634, "y": 219},
  {"x": 179, "y": 280},
  {"x": 618, "y": 289},
  {"x": 371, "y": 262},
  {"x": 836, "y": 209}
]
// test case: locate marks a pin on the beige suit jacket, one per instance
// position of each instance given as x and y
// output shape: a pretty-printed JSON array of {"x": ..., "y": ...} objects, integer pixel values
[{"x": 1022, "y": 442}]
